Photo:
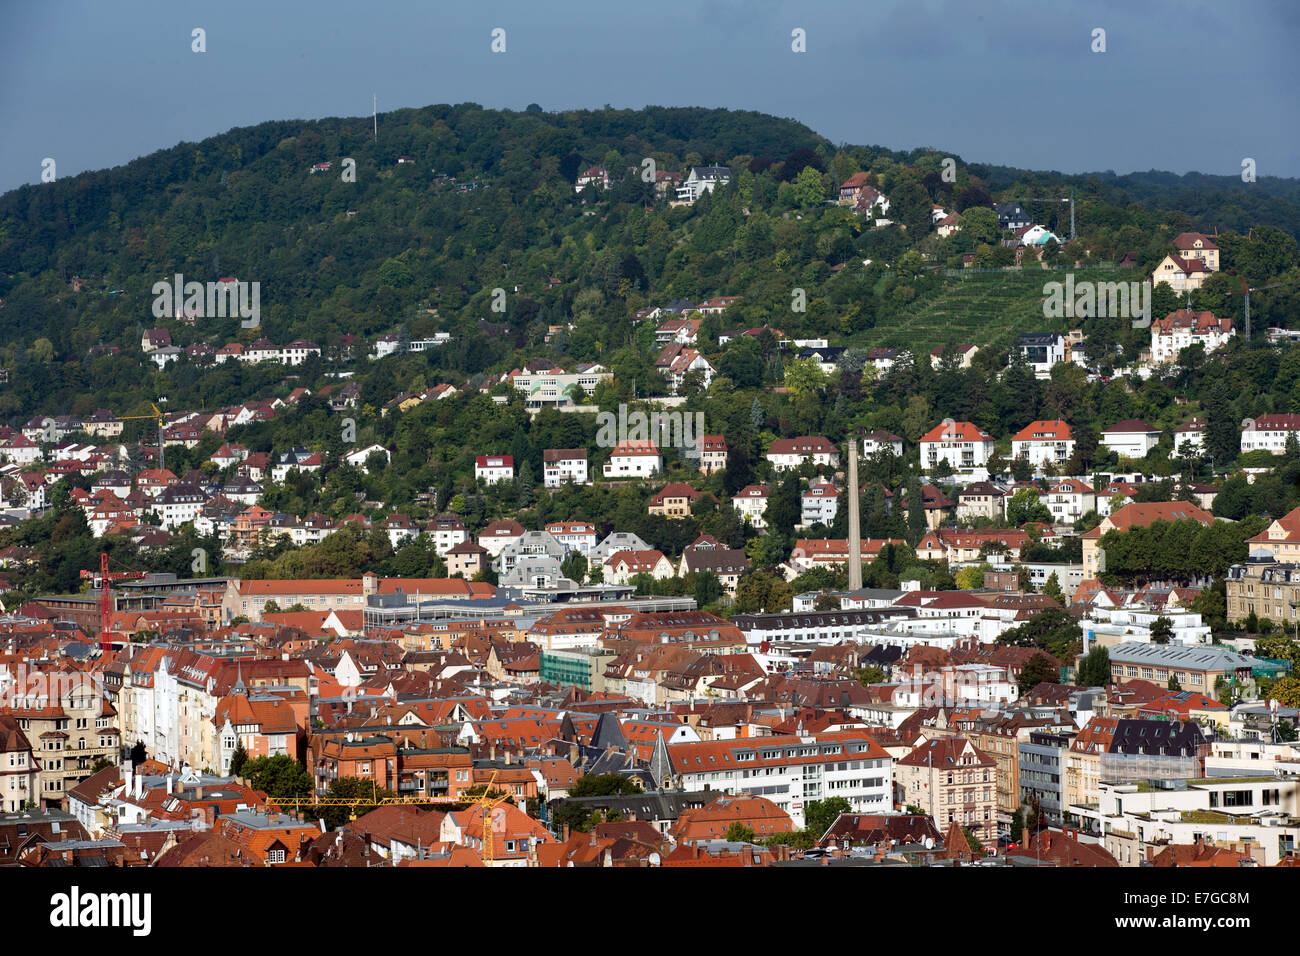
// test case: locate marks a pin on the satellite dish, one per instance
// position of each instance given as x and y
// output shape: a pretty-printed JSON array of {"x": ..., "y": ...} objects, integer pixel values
[{"x": 929, "y": 843}]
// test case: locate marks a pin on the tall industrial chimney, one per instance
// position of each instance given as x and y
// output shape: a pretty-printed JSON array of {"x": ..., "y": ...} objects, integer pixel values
[{"x": 855, "y": 531}]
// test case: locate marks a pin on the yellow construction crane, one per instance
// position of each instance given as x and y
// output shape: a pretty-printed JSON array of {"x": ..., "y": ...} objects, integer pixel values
[
  {"x": 158, "y": 417},
  {"x": 489, "y": 805}
]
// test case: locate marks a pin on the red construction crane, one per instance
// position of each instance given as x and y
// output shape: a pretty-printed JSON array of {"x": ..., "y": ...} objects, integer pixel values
[{"x": 102, "y": 581}]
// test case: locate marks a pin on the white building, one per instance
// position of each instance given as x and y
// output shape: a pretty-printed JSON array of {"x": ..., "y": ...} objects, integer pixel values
[
  {"x": 701, "y": 180},
  {"x": 1179, "y": 330},
  {"x": 1131, "y": 438},
  {"x": 561, "y": 466},
  {"x": 786, "y": 453},
  {"x": 791, "y": 771},
  {"x": 1043, "y": 443},
  {"x": 1269, "y": 432},
  {"x": 490, "y": 469},
  {"x": 750, "y": 503},
  {"x": 961, "y": 444},
  {"x": 634, "y": 458},
  {"x": 1069, "y": 500}
]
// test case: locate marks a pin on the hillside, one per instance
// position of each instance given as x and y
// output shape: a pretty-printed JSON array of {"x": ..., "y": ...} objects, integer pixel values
[{"x": 484, "y": 200}]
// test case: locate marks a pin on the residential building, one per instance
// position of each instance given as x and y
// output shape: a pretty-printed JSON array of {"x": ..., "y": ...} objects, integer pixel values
[
  {"x": 961, "y": 444},
  {"x": 786, "y": 453},
  {"x": 1270, "y": 432},
  {"x": 1131, "y": 438},
  {"x": 1043, "y": 444},
  {"x": 1185, "y": 328},
  {"x": 562, "y": 466},
  {"x": 952, "y": 781},
  {"x": 493, "y": 468},
  {"x": 1135, "y": 515},
  {"x": 634, "y": 458}
]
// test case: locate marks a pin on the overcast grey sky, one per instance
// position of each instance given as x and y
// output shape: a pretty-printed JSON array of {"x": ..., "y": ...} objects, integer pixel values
[{"x": 1186, "y": 85}]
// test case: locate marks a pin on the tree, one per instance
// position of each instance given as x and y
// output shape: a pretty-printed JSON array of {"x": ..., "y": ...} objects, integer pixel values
[
  {"x": 1162, "y": 630},
  {"x": 1173, "y": 684},
  {"x": 739, "y": 833},
  {"x": 280, "y": 777},
  {"x": 1024, "y": 506},
  {"x": 238, "y": 759},
  {"x": 1052, "y": 588},
  {"x": 1094, "y": 668},
  {"x": 808, "y": 187},
  {"x": 818, "y": 815},
  {"x": 365, "y": 792},
  {"x": 870, "y": 675},
  {"x": 1039, "y": 669},
  {"x": 100, "y": 764},
  {"x": 1286, "y": 691}
]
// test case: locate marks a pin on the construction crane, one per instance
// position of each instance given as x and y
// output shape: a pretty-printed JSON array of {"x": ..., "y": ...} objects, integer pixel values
[
  {"x": 489, "y": 806},
  {"x": 1247, "y": 289},
  {"x": 102, "y": 581},
  {"x": 158, "y": 417}
]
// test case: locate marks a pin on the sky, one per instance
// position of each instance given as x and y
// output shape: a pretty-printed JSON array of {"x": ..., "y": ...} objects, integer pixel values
[{"x": 1181, "y": 86}]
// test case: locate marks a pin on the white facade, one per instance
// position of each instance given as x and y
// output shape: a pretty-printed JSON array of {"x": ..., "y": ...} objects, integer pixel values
[{"x": 563, "y": 471}]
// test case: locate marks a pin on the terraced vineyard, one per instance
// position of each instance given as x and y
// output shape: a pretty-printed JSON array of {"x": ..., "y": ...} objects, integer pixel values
[{"x": 979, "y": 308}]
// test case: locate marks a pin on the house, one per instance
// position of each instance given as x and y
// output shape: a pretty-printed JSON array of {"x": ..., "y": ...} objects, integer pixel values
[
  {"x": 948, "y": 225},
  {"x": 677, "y": 361},
  {"x": 1185, "y": 328},
  {"x": 228, "y": 455},
  {"x": 701, "y": 180},
  {"x": 1043, "y": 443},
  {"x": 961, "y": 356},
  {"x": 621, "y": 566},
  {"x": 301, "y": 460},
  {"x": 490, "y": 469},
  {"x": 785, "y": 453},
  {"x": 751, "y": 503},
  {"x": 562, "y": 466},
  {"x": 465, "y": 560},
  {"x": 447, "y": 531},
  {"x": 713, "y": 453},
  {"x": 298, "y": 351},
  {"x": 679, "y": 332},
  {"x": 498, "y": 534},
  {"x": 155, "y": 339},
  {"x": 1136, "y": 515},
  {"x": 1190, "y": 436},
  {"x": 1266, "y": 433},
  {"x": 634, "y": 458},
  {"x": 579, "y": 536},
  {"x": 161, "y": 356},
  {"x": 713, "y": 820},
  {"x": 358, "y": 458},
  {"x": 961, "y": 444},
  {"x": 853, "y": 187},
  {"x": 1069, "y": 500},
  {"x": 1131, "y": 438},
  {"x": 594, "y": 176},
  {"x": 1180, "y": 274},
  {"x": 1195, "y": 245},
  {"x": 1042, "y": 350},
  {"x": 1011, "y": 216},
  {"x": 1281, "y": 539},
  {"x": 673, "y": 501},
  {"x": 706, "y": 554},
  {"x": 952, "y": 781},
  {"x": 818, "y": 505},
  {"x": 874, "y": 442},
  {"x": 870, "y": 199},
  {"x": 981, "y": 499}
]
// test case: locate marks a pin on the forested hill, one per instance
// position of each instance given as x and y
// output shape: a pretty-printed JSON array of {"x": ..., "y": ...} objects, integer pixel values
[{"x": 487, "y": 201}]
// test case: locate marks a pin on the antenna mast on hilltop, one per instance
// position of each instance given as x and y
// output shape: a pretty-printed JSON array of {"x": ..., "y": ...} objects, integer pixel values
[{"x": 374, "y": 112}]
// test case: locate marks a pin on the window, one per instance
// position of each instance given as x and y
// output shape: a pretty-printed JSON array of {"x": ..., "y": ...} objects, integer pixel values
[{"x": 275, "y": 856}]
